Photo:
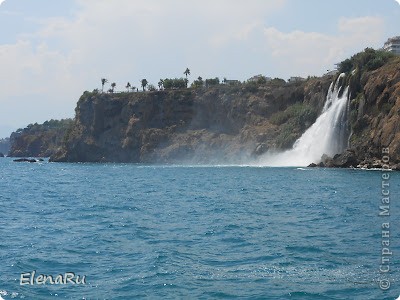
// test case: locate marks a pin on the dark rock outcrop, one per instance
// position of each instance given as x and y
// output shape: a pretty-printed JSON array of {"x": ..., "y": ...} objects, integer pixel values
[
  {"x": 30, "y": 160},
  {"x": 347, "y": 159},
  {"x": 1, "y": 154}
]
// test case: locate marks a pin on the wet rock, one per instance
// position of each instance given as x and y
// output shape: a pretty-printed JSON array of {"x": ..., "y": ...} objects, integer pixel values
[
  {"x": 312, "y": 165},
  {"x": 1, "y": 154},
  {"x": 377, "y": 164},
  {"x": 30, "y": 160},
  {"x": 347, "y": 159}
]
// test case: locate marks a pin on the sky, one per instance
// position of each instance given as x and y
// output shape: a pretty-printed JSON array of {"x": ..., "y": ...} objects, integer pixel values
[{"x": 52, "y": 51}]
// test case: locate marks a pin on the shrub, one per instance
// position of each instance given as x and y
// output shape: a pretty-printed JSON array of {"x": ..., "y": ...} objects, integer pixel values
[
  {"x": 298, "y": 113},
  {"x": 212, "y": 81},
  {"x": 368, "y": 60},
  {"x": 175, "y": 83},
  {"x": 294, "y": 120}
]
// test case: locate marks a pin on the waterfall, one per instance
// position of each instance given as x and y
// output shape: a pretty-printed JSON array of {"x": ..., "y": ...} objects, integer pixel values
[{"x": 328, "y": 135}]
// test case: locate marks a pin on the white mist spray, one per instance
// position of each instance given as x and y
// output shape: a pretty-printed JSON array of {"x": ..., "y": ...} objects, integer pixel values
[{"x": 328, "y": 135}]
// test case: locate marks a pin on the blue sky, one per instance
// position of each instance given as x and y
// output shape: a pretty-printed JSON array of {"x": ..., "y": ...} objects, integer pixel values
[{"x": 51, "y": 51}]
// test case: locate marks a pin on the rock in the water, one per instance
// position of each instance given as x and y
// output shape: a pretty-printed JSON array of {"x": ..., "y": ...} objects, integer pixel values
[
  {"x": 1, "y": 154},
  {"x": 31, "y": 160},
  {"x": 312, "y": 165},
  {"x": 345, "y": 160}
]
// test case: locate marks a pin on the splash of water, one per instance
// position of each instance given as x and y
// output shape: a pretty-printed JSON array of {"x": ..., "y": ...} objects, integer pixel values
[{"x": 328, "y": 135}]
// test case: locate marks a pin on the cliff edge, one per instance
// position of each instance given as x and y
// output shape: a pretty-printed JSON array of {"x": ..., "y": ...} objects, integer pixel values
[{"x": 220, "y": 124}]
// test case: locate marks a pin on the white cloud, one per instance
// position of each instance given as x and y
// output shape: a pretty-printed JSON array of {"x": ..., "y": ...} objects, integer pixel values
[
  {"x": 129, "y": 40},
  {"x": 311, "y": 53},
  {"x": 123, "y": 41}
]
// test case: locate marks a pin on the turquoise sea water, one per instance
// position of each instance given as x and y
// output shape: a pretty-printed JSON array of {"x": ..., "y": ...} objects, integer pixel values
[{"x": 181, "y": 232}]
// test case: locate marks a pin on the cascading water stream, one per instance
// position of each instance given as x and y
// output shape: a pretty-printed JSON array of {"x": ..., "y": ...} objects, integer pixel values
[{"x": 328, "y": 135}]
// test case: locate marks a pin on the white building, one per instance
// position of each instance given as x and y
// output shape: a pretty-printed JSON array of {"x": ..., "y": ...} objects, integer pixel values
[
  {"x": 295, "y": 79},
  {"x": 393, "y": 45},
  {"x": 256, "y": 78},
  {"x": 231, "y": 82}
]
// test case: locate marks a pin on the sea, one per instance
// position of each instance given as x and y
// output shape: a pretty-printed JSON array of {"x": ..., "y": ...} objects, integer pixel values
[{"x": 133, "y": 231}]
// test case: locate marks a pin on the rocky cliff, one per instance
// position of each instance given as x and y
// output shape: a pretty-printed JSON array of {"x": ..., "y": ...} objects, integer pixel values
[
  {"x": 235, "y": 124},
  {"x": 221, "y": 124},
  {"x": 39, "y": 140},
  {"x": 375, "y": 114}
]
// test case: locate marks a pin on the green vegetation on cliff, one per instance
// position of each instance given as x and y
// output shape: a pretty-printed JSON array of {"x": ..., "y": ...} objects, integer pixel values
[
  {"x": 367, "y": 60},
  {"x": 39, "y": 140},
  {"x": 294, "y": 120}
]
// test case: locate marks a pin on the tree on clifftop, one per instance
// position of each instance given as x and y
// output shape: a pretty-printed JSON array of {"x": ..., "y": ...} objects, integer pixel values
[
  {"x": 187, "y": 72},
  {"x": 128, "y": 86},
  {"x": 113, "y": 85},
  {"x": 160, "y": 84},
  {"x": 198, "y": 83},
  {"x": 144, "y": 83},
  {"x": 103, "y": 82}
]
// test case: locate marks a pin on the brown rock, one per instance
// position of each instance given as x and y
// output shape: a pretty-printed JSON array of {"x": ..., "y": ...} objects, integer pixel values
[{"x": 345, "y": 160}]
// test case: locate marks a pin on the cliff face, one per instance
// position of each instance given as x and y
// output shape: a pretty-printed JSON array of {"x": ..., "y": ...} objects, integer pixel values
[
  {"x": 221, "y": 124},
  {"x": 38, "y": 140},
  {"x": 375, "y": 115},
  {"x": 234, "y": 124}
]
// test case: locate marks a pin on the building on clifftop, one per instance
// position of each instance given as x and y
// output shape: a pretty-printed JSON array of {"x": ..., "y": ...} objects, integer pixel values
[{"x": 392, "y": 45}]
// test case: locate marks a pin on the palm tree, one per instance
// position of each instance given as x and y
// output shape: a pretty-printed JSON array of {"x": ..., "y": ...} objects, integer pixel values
[
  {"x": 128, "y": 85},
  {"x": 144, "y": 83},
  {"x": 103, "y": 82},
  {"x": 187, "y": 72},
  {"x": 160, "y": 84},
  {"x": 113, "y": 85}
]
